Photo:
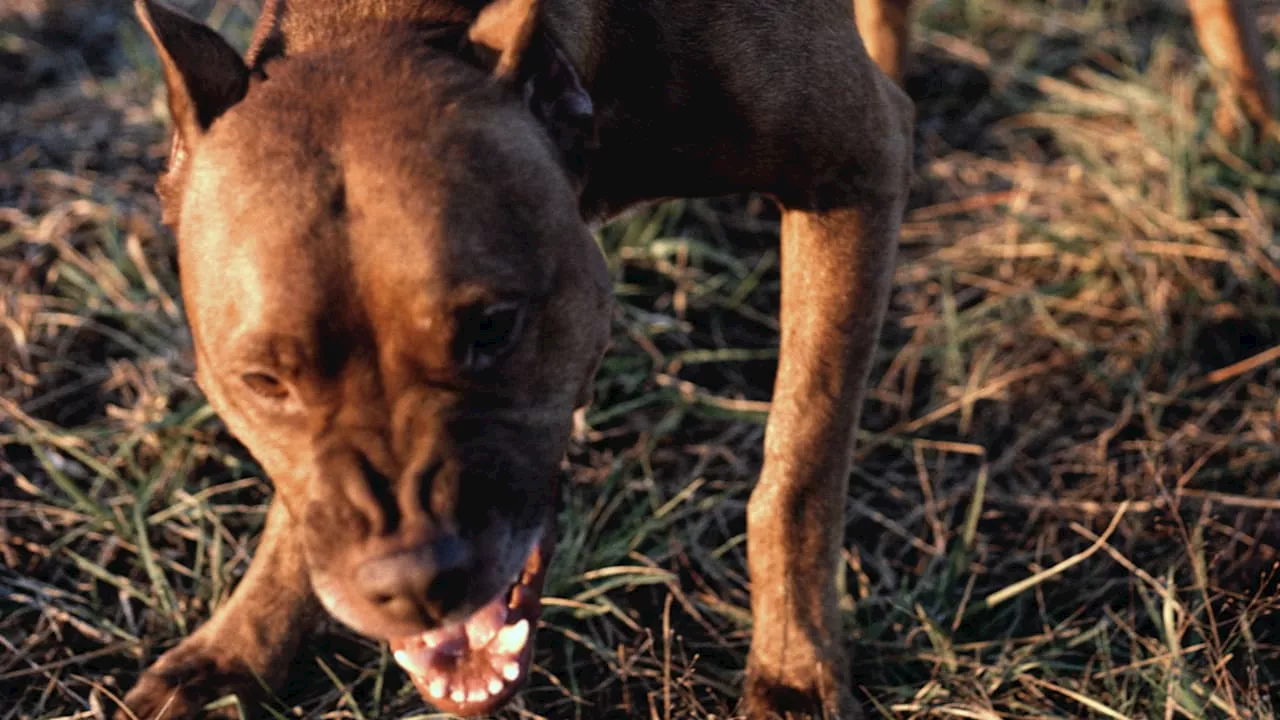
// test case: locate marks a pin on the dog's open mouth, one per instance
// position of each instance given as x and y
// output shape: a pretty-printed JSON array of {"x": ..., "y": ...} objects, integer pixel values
[{"x": 477, "y": 665}]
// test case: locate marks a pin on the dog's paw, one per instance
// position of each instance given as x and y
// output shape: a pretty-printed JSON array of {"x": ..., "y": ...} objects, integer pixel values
[
  {"x": 185, "y": 679},
  {"x": 819, "y": 699}
]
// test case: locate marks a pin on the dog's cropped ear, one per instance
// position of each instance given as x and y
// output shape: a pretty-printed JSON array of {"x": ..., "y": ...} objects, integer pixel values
[
  {"x": 267, "y": 42},
  {"x": 505, "y": 28},
  {"x": 510, "y": 36},
  {"x": 203, "y": 74}
]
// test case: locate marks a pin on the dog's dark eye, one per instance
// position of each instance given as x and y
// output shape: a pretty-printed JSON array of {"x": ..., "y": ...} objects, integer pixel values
[
  {"x": 266, "y": 385},
  {"x": 488, "y": 333}
]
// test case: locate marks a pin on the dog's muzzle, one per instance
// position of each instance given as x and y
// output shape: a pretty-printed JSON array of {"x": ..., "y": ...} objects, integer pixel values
[{"x": 475, "y": 666}]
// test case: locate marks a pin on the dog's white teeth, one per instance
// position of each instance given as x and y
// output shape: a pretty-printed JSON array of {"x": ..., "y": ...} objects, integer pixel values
[
  {"x": 402, "y": 657},
  {"x": 479, "y": 637},
  {"x": 413, "y": 662},
  {"x": 477, "y": 695},
  {"x": 443, "y": 634},
  {"x": 511, "y": 639},
  {"x": 484, "y": 625},
  {"x": 436, "y": 688},
  {"x": 511, "y": 671},
  {"x": 495, "y": 686},
  {"x": 458, "y": 695}
]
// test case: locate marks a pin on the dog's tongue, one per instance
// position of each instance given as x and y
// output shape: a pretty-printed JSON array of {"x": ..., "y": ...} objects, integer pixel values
[{"x": 476, "y": 666}]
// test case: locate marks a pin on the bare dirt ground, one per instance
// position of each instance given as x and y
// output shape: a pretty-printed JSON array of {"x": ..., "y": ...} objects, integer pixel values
[{"x": 1068, "y": 484}]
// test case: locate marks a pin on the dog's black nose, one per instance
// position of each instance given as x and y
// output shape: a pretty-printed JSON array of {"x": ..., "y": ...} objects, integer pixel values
[{"x": 422, "y": 584}]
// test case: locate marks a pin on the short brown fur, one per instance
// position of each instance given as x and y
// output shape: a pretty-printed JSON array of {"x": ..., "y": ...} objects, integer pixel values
[
  {"x": 378, "y": 169},
  {"x": 317, "y": 250}
]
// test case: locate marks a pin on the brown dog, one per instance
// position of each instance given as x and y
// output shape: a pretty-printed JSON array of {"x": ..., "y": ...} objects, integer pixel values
[{"x": 397, "y": 306}]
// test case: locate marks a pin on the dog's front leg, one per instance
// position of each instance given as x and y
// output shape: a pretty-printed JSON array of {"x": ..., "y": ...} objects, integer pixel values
[
  {"x": 247, "y": 646},
  {"x": 837, "y": 265},
  {"x": 836, "y": 272}
]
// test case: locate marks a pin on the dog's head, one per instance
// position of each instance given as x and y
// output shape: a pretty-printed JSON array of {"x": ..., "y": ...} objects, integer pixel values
[{"x": 397, "y": 308}]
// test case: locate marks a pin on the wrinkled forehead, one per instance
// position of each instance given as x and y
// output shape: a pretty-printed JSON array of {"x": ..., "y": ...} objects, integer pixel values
[
  {"x": 251, "y": 248},
  {"x": 294, "y": 211}
]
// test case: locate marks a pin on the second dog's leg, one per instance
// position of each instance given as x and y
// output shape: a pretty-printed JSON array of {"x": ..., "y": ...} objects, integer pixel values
[
  {"x": 885, "y": 27},
  {"x": 1228, "y": 34},
  {"x": 248, "y": 643}
]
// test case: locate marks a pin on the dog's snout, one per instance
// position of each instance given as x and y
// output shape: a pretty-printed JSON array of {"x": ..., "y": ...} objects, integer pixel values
[
  {"x": 386, "y": 500},
  {"x": 423, "y": 584},
  {"x": 373, "y": 496}
]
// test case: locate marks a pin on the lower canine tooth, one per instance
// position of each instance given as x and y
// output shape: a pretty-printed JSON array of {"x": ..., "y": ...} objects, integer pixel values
[
  {"x": 511, "y": 639},
  {"x": 409, "y": 661},
  {"x": 495, "y": 686},
  {"x": 436, "y": 688},
  {"x": 511, "y": 671}
]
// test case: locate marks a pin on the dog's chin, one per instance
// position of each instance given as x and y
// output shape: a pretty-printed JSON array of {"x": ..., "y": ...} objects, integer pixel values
[{"x": 476, "y": 664}]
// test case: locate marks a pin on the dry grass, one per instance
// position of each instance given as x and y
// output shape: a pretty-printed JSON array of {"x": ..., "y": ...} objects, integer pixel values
[{"x": 1067, "y": 494}]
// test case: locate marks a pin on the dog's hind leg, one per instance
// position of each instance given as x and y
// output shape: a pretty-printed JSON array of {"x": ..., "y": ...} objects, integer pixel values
[
  {"x": 248, "y": 645},
  {"x": 1228, "y": 34}
]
